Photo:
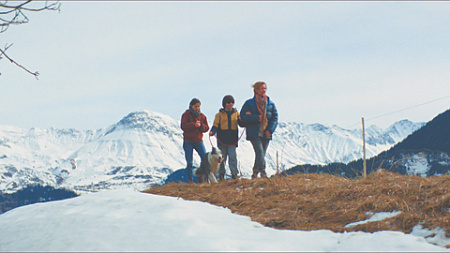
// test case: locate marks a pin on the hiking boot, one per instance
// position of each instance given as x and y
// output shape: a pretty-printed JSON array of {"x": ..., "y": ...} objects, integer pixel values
[
  {"x": 221, "y": 177},
  {"x": 254, "y": 175},
  {"x": 234, "y": 176},
  {"x": 200, "y": 179},
  {"x": 263, "y": 175}
]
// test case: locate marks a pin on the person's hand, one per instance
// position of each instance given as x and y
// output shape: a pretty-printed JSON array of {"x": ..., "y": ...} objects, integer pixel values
[
  {"x": 267, "y": 134},
  {"x": 211, "y": 133},
  {"x": 197, "y": 123}
]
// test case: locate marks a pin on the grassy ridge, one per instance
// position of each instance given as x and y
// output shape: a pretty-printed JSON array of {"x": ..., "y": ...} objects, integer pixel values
[{"x": 323, "y": 201}]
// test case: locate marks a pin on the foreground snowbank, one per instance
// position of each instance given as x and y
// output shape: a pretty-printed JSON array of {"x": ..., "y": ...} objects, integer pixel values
[{"x": 125, "y": 220}]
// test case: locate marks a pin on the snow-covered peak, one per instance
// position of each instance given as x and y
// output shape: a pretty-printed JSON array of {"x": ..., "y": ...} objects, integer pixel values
[
  {"x": 403, "y": 128},
  {"x": 144, "y": 121}
]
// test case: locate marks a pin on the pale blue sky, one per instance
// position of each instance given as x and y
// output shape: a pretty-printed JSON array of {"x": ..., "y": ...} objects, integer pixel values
[{"x": 324, "y": 62}]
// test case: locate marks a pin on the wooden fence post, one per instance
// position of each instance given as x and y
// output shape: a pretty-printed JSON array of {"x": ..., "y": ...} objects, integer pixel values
[{"x": 364, "y": 148}]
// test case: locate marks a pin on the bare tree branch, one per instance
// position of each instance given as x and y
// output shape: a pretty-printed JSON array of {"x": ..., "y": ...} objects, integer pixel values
[
  {"x": 2, "y": 52},
  {"x": 13, "y": 14}
]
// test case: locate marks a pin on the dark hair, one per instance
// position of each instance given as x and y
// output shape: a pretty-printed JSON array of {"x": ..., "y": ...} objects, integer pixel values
[
  {"x": 194, "y": 101},
  {"x": 227, "y": 99}
]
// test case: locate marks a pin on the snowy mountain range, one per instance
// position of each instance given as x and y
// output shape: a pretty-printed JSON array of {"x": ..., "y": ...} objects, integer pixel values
[{"x": 145, "y": 147}]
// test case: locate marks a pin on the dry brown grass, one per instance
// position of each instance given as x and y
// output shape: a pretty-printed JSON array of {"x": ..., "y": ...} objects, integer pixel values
[{"x": 313, "y": 201}]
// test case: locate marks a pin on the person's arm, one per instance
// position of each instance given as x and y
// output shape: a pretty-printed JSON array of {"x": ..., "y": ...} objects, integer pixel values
[
  {"x": 247, "y": 116},
  {"x": 239, "y": 120},
  {"x": 204, "y": 127},
  {"x": 215, "y": 126},
  {"x": 273, "y": 122},
  {"x": 187, "y": 125}
]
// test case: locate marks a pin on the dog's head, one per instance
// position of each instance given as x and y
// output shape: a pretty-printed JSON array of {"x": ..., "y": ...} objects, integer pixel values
[{"x": 217, "y": 154}]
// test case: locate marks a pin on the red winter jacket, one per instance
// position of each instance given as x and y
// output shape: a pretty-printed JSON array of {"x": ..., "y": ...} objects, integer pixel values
[{"x": 190, "y": 132}]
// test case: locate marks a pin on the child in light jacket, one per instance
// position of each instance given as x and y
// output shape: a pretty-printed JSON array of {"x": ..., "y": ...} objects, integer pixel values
[{"x": 225, "y": 126}]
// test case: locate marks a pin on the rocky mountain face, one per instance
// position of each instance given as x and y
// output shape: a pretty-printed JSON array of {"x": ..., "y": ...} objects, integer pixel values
[
  {"x": 143, "y": 148},
  {"x": 426, "y": 152},
  {"x": 434, "y": 136}
]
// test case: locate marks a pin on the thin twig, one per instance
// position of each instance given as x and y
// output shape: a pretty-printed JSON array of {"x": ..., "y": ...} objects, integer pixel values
[
  {"x": 35, "y": 74},
  {"x": 284, "y": 178}
]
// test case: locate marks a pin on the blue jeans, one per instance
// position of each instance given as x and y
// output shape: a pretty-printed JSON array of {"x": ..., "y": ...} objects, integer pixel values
[
  {"x": 230, "y": 153},
  {"x": 189, "y": 147},
  {"x": 260, "y": 146}
]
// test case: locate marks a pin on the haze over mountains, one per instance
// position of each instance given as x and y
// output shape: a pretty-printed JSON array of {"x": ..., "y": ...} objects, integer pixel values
[{"x": 143, "y": 148}]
